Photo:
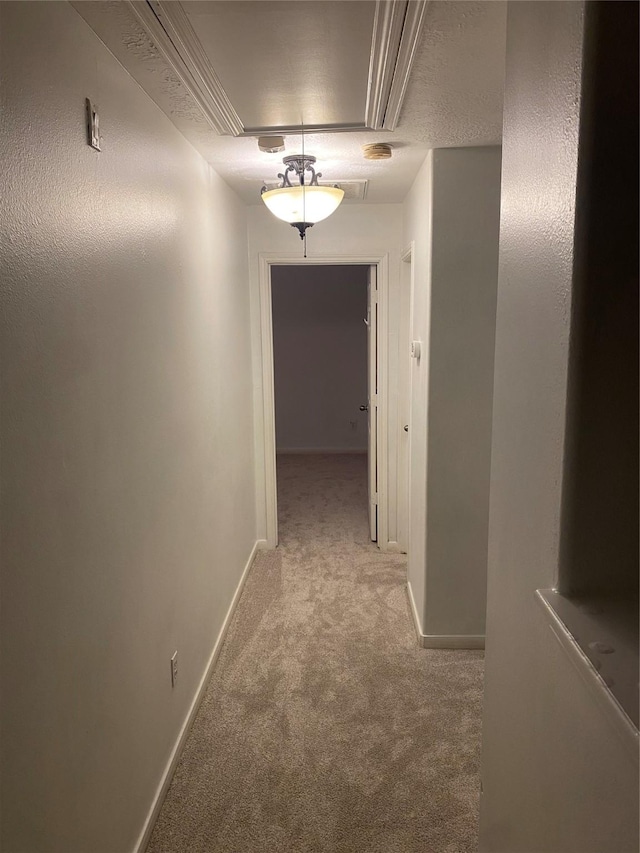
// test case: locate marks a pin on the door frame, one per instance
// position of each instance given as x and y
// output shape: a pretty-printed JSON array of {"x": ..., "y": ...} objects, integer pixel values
[
  {"x": 268, "y": 260},
  {"x": 403, "y": 500}
]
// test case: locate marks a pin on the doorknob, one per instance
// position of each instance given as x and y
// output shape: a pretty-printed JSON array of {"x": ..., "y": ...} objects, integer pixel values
[
  {"x": 406, "y": 427},
  {"x": 364, "y": 408}
]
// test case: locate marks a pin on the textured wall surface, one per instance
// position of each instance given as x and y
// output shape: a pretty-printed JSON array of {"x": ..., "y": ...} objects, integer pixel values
[
  {"x": 464, "y": 281},
  {"x": 454, "y": 95},
  {"x": 416, "y": 228},
  {"x": 127, "y": 445},
  {"x": 556, "y": 776},
  {"x": 452, "y": 215},
  {"x": 320, "y": 356}
]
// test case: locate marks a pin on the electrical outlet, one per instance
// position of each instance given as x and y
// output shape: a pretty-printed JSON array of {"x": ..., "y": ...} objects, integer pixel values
[{"x": 174, "y": 668}]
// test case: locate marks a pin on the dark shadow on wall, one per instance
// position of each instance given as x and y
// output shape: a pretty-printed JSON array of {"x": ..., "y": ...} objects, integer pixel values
[{"x": 599, "y": 537}]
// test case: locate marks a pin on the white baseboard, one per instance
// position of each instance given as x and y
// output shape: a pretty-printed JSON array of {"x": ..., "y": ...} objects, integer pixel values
[
  {"x": 452, "y": 641},
  {"x": 163, "y": 787},
  {"x": 414, "y": 612},
  {"x": 394, "y": 547},
  {"x": 311, "y": 450},
  {"x": 442, "y": 641}
]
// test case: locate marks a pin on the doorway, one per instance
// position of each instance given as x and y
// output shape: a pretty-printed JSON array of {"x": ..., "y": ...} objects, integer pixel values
[
  {"x": 372, "y": 421},
  {"x": 324, "y": 321}
]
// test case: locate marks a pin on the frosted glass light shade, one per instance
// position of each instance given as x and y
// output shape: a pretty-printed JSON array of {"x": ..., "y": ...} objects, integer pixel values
[{"x": 287, "y": 203}]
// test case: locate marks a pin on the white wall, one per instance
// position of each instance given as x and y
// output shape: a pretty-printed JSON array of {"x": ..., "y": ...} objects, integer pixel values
[
  {"x": 416, "y": 228},
  {"x": 127, "y": 439},
  {"x": 557, "y": 777},
  {"x": 452, "y": 216},
  {"x": 464, "y": 280},
  {"x": 364, "y": 231},
  {"x": 320, "y": 357}
]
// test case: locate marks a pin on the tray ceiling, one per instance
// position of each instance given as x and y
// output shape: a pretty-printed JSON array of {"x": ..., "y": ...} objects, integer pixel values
[
  {"x": 412, "y": 73},
  {"x": 285, "y": 63}
]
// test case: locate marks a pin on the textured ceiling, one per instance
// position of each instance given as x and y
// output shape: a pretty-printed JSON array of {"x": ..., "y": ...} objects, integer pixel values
[
  {"x": 455, "y": 92},
  {"x": 453, "y": 96}
]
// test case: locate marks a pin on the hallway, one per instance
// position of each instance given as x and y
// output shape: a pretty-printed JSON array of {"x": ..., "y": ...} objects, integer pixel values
[
  {"x": 325, "y": 727},
  {"x": 139, "y": 440}
]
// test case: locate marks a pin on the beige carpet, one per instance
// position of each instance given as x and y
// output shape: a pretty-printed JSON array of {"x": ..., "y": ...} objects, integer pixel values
[{"x": 325, "y": 729}]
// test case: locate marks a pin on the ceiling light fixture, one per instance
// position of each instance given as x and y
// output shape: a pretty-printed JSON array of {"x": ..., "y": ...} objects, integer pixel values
[{"x": 305, "y": 203}]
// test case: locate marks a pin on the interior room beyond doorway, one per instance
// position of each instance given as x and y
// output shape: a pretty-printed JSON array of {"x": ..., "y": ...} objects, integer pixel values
[{"x": 322, "y": 376}]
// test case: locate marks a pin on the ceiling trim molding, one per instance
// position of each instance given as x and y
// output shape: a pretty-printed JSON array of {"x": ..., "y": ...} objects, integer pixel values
[
  {"x": 171, "y": 30},
  {"x": 307, "y": 128},
  {"x": 385, "y": 42},
  {"x": 409, "y": 40},
  {"x": 396, "y": 32}
]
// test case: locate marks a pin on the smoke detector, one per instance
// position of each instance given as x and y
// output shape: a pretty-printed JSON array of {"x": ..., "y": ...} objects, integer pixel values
[
  {"x": 271, "y": 144},
  {"x": 376, "y": 151}
]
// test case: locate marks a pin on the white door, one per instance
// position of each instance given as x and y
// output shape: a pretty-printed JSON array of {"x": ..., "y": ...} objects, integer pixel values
[
  {"x": 404, "y": 400},
  {"x": 372, "y": 349}
]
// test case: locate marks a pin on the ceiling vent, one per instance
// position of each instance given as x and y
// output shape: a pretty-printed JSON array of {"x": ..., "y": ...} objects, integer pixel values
[
  {"x": 353, "y": 190},
  {"x": 376, "y": 151}
]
